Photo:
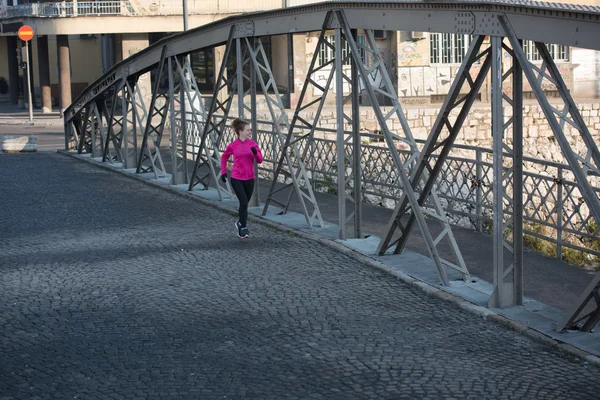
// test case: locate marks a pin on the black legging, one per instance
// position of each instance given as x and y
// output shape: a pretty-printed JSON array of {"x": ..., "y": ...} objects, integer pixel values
[{"x": 243, "y": 191}]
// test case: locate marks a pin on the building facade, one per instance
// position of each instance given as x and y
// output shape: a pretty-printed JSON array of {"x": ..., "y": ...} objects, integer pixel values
[{"x": 76, "y": 42}]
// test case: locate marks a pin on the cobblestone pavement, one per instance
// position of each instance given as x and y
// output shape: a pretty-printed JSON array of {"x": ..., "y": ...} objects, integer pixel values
[{"x": 110, "y": 288}]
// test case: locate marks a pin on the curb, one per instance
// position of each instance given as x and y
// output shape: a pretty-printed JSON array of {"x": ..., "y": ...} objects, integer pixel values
[
  {"x": 429, "y": 289},
  {"x": 34, "y": 123}
]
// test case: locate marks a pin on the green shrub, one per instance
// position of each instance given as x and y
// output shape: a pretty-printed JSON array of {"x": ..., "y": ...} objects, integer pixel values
[
  {"x": 573, "y": 256},
  {"x": 541, "y": 245}
]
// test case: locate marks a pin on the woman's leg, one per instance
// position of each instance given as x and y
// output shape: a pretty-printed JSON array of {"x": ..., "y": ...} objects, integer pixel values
[
  {"x": 240, "y": 191},
  {"x": 248, "y": 188}
]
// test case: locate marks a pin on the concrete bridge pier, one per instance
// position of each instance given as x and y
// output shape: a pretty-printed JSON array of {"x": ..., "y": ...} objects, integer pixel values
[
  {"x": 13, "y": 69},
  {"x": 64, "y": 71},
  {"x": 44, "y": 71}
]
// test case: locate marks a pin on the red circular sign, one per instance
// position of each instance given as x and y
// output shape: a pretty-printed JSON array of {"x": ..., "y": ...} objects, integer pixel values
[{"x": 25, "y": 33}]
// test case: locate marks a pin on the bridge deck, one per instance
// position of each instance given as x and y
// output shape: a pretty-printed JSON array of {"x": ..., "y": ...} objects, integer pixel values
[
  {"x": 115, "y": 289},
  {"x": 552, "y": 285}
]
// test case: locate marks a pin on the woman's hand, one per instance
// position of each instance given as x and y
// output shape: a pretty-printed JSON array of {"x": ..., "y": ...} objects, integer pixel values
[
  {"x": 224, "y": 177},
  {"x": 253, "y": 149}
]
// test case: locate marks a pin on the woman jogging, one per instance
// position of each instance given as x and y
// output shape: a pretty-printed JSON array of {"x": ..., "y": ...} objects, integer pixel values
[{"x": 244, "y": 151}]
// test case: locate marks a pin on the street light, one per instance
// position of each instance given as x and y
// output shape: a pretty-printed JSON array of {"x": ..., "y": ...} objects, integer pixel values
[{"x": 185, "y": 20}]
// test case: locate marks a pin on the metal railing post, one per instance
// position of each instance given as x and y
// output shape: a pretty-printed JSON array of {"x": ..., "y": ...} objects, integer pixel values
[
  {"x": 478, "y": 192},
  {"x": 559, "y": 213}
]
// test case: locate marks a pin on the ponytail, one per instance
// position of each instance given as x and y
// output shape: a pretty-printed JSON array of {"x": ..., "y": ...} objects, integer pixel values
[{"x": 238, "y": 125}]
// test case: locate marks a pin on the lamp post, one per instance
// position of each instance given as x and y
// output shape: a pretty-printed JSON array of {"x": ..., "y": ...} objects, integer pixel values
[{"x": 185, "y": 19}]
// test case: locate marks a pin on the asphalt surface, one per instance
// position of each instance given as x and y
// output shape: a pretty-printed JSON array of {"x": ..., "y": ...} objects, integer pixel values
[{"x": 110, "y": 288}]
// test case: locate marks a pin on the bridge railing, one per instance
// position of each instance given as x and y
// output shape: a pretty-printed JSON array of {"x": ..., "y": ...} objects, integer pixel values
[
  {"x": 143, "y": 7},
  {"x": 553, "y": 207}
]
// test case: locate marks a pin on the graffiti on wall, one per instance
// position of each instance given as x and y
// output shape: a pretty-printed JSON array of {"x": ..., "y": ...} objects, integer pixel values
[
  {"x": 424, "y": 81},
  {"x": 409, "y": 56},
  {"x": 321, "y": 77},
  {"x": 376, "y": 79}
]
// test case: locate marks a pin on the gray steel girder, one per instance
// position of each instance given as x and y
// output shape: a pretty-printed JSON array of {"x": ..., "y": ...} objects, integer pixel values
[{"x": 543, "y": 22}]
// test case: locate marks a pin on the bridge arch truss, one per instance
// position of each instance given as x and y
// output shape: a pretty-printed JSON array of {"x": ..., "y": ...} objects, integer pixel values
[{"x": 111, "y": 120}]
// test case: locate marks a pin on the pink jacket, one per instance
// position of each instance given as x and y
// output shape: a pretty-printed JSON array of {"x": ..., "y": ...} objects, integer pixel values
[{"x": 243, "y": 166}]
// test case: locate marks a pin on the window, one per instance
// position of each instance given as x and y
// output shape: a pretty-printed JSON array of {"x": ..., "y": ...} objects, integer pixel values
[
  {"x": 202, "y": 63},
  {"x": 232, "y": 63},
  {"x": 448, "y": 48},
  {"x": 326, "y": 53},
  {"x": 557, "y": 51}
]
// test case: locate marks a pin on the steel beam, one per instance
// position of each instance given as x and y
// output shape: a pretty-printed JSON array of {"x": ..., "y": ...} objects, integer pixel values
[
  {"x": 503, "y": 294},
  {"x": 176, "y": 173},
  {"x": 437, "y": 147},
  {"x": 584, "y": 315},
  {"x": 408, "y": 191},
  {"x": 190, "y": 94},
  {"x": 129, "y": 138},
  {"x": 435, "y": 210},
  {"x": 295, "y": 168},
  {"x": 71, "y": 136},
  {"x": 185, "y": 89},
  {"x": 213, "y": 129},
  {"x": 348, "y": 143},
  {"x": 580, "y": 164},
  {"x": 114, "y": 136},
  {"x": 262, "y": 68},
  {"x": 150, "y": 149},
  {"x": 341, "y": 157},
  {"x": 98, "y": 133},
  {"x": 140, "y": 117},
  {"x": 569, "y": 25},
  {"x": 244, "y": 48},
  {"x": 508, "y": 181},
  {"x": 79, "y": 125},
  {"x": 255, "y": 199},
  {"x": 517, "y": 165},
  {"x": 184, "y": 121},
  {"x": 85, "y": 138},
  {"x": 592, "y": 159},
  {"x": 357, "y": 190}
]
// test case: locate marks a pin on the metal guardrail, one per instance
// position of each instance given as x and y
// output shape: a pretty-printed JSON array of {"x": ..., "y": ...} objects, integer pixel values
[
  {"x": 553, "y": 207},
  {"x": 174, "y": 7},
  {"x": 143, "y": 7}
]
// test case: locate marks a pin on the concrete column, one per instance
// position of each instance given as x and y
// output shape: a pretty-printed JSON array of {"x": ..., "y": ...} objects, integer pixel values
[
  {"x": 64, "y": 71},
  {"x": 118, "y": 43},
  {"x": 218, "y": 54},
  {"x": 44, "y": 65},
  {"x": 108, "y": 51},
  {"x": 392, "y": 61},
  {"x": 301, "y": 64},
  {"x": 280, "y": 65},
  {"x": 13, "y": 69},
  {"x": 132, "y": 43}
]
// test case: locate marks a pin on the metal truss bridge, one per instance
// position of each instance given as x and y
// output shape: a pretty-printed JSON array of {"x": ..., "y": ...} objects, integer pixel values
[{"x": 110, "y": 119}]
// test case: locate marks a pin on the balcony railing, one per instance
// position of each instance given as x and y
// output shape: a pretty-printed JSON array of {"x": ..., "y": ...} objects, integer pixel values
[{"x": 144, "y": 7}]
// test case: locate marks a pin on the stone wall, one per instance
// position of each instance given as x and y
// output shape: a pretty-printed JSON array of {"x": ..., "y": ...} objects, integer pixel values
[
  {"x": 538, "y": 139},
  {"x": 467, "y": 175}
]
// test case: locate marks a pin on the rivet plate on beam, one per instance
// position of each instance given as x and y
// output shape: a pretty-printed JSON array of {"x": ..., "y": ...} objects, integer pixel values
[
  {"x": 465, "y": 23},
  {"x": 488, "y": 24},
  {"x": 243, "y": 29}
]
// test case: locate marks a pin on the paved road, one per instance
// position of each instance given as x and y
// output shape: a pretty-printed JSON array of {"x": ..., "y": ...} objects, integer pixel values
[
  {"x": 113, "y": 289},
  {"x": 547, "y": 279}
]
